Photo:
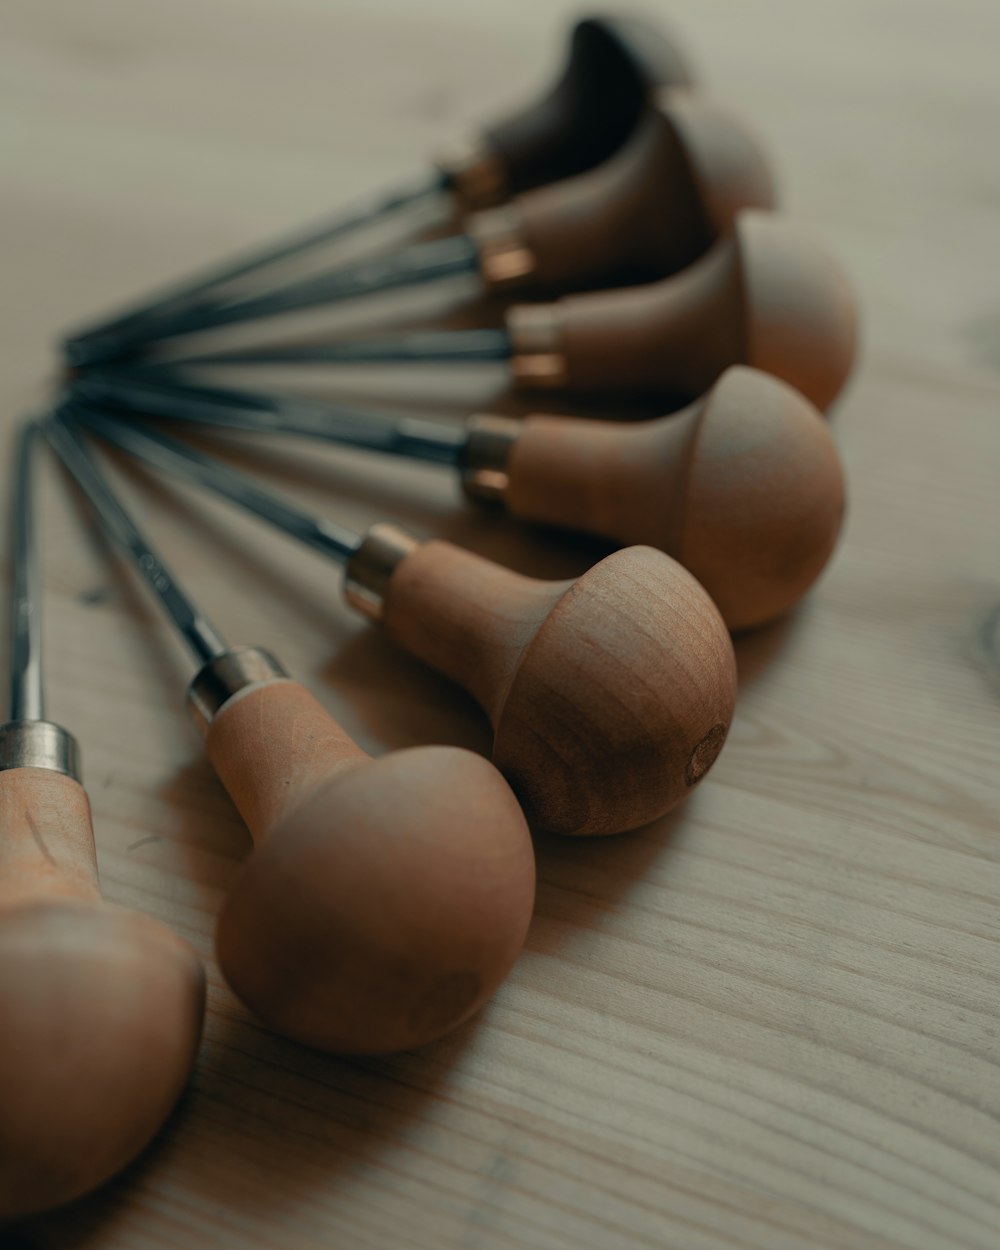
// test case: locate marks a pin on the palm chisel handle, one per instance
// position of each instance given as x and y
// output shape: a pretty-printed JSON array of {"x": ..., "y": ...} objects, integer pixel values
[{"x": 101, "y": 1008}]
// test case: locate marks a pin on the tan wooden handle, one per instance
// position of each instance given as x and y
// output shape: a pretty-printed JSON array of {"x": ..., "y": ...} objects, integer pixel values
[
  {"x": 101, "y": 1008},
  {"x": 272, "y": 745},
  {"x": 46, "y": 838},
  {"x": 102, "y": 1012},
  {"x": 800, "y": 309},
  {"x": 388, "y": 908},
  {"x": 467, "y": 617},
  {"x": 610, "y": 696},
  {"x": 620, "y": 480},
  {"x": 387, "y": 898},
  {"x": 768, "y": 296},
  {"x": 647, "y": 212},
  {"x": 745, "y": 488},
  {"x": 671, "y": 337}
]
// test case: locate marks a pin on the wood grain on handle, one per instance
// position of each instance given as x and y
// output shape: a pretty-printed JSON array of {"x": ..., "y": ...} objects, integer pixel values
[
  {"x": 387, "y": 908},
  {"x": 610, "y": 696},
  {"x": 46, "y": 838},
  {"x": 386, "y": 899},
  {"x": 467, "y": 617},
  {"x": 272, "y": 745}
]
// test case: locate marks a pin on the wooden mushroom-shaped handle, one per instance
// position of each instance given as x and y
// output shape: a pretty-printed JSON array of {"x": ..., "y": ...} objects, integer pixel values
[
  {"x": 745, "y": 487},
  {"x": 610, "y": 696},
  {"x": 614, "y": 66},
  {"x": 768, "y": 296},
  {"x": 385, "y": 899},
  {"x": 101, "y": 1008},
  {"x": 645, "y": 213}
]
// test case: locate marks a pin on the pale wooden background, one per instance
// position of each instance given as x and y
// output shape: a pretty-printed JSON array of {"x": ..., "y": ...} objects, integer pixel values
[{"x": 769, "y": 1021}]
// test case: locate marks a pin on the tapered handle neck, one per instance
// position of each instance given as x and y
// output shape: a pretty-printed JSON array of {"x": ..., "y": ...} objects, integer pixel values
[
  {"x": 619, "y": 480},
  {"x": 466, "y": 617},
  {"x": 270, "y": 741},
  {"x": 670, "y": 337}
]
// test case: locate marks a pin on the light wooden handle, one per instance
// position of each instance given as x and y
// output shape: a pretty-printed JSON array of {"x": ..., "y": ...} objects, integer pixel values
[
  {"x": 769, "y": 296},
  {"x": 647, "y": 212},
  {"x": 467, "y": 617},
  {"x": 619, "y": 480},
  {"x": 101, "y": 1008},
  {"x": 744, "y": 488},
  {"x": 610, "y": 696},
  {"x": 272, "y": 746},
  {"x": 46, "y": 838},
  {"x": 386, "y": 899},
  {"x": 801, "y": 315},
  {"x": 670, "y": 337},
  {"x": 102, "y": 1012},
  {"x": 388, "y": 908}
]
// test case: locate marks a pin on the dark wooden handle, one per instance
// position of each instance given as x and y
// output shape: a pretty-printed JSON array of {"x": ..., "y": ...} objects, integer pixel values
[{"x": 613, "y": 67}]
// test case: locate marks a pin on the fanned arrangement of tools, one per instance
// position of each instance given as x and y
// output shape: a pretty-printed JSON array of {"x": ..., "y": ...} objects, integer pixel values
[{"x": 387, "y": 899}]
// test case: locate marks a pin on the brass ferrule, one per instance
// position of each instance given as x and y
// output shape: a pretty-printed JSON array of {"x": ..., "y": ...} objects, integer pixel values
[
  {"x": 368, "y": 571},
  {"x": 487, "y": 453},
  {"x": 505, "y": 259},
  {"x": 476, "y": 172},
  {"x": 537, "y": 358},
  {"x": 215, "y": 684},
  {"x": 39, "y": 744}
]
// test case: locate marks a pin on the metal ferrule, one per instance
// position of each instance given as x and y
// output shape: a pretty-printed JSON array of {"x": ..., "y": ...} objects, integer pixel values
[
  {"x": 39, "y": 744},
  {"x": 367, "y": 573},
  {"x": 537, "y": 358},
  {"x": 475, "y": 172},
  {"x": 235, "y": 670},
  {"x": 486, "y": 455},
  {"x": 505, "y": 259}
]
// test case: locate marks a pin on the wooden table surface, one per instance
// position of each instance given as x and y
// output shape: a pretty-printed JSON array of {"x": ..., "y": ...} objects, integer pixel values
[{"x": 767, "y": 1021}]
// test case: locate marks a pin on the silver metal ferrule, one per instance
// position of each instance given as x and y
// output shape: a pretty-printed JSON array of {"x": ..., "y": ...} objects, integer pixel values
[
  {"x": 39, "y": 744},
  {"x": 505, "y": 259},
  {"x": 486, "y": 455},
  {"x": 475, "y": 171},
  {"x": 536, "y": 334},
  {"x": 367, "y": 573},
  {"x": 215, "y": 684}
]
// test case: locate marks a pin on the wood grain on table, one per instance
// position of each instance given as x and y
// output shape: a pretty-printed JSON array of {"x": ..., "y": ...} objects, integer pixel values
[{"x": 769, "y": 1020}]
